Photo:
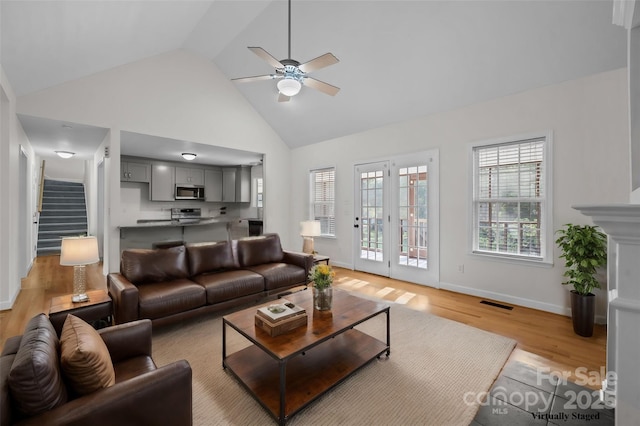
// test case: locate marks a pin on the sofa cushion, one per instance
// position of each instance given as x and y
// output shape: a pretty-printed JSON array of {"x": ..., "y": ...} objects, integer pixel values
[
  {"x": 227, "y": 285},
  {"x": 84, "y": 357},
  {"x": 40, "y": 321},
  {"x": 209, "y": 257},
  {"x": 169, "y": 297},
  {"x": 142, "y": 266},
  {"x": 35, "y": 380},
  {"x": 259, "y": 250},
  {"x": 278, "y": 275}
]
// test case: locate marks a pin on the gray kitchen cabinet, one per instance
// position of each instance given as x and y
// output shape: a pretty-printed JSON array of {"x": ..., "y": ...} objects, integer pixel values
[
  {"x": 229, "y": 184},
  {"x": 162, "y": 182},
  {"x": 243, "y": 184},
  {"x": 213, "y": 185},
  {"x": 135, "y": 172},
  {"x": 189, "y": 176}
]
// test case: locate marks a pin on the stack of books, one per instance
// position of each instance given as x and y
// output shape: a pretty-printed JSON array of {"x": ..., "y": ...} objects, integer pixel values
[{"x": 280, "y": 318}]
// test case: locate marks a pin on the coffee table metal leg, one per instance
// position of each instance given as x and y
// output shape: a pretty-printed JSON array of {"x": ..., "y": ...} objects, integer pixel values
[
  {"x": 283, "y": 391},
  {"x": 224, "y": 343},
  {"x": 388, "y": 333}
]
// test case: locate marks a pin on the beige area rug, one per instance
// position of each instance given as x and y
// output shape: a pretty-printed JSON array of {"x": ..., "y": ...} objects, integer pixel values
[{"x": 434, "y": 363}]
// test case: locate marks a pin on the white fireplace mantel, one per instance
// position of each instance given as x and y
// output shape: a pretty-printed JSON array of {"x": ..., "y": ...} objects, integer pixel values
[{"x": 621, "y": 222}]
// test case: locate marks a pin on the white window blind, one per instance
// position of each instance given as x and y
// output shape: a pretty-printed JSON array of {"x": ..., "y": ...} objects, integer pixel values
[
  {"x": 509, "y": 198},
  {"x": 323, "y": 199}
]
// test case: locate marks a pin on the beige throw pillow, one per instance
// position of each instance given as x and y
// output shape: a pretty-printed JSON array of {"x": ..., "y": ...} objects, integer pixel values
[{"x": 84, "y": 357}]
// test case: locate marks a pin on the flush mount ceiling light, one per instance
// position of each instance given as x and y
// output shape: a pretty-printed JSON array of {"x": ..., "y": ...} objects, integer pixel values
[
  {"x": 65, "y": 154},
  {"x": 188, "y": 156}
]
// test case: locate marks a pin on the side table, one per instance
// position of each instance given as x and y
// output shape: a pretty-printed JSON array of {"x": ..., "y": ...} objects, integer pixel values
[
  {"x": 95, "y": 311},
  {"x": 318, "y": 258}
]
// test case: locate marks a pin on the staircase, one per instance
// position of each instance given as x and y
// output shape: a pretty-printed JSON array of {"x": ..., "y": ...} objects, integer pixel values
[{"x": 64, "y": 214}]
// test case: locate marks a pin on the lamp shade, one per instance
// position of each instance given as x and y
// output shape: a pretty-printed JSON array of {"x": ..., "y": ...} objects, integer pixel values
[
  {"x": 76, "y": 251},
  {"x": 289, "y": 86},
  {"x": 310, "y": 228}
]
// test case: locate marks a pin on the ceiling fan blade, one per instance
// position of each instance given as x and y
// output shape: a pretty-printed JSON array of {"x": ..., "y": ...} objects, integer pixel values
[
  {"x": 318, "y": 63},
  {"x": 283, "y": 98},
  {"x": 321, "y": 86},
  {"x": 266, "y": 56},
  {"x": 255, "y": 78}
]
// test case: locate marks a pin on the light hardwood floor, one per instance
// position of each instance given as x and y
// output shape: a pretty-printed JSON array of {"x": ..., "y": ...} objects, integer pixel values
[{"x": 544, "y": 340}]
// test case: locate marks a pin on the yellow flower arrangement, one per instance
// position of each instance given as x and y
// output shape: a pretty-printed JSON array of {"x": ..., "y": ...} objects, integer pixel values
[{"x": 322, "y": 276}]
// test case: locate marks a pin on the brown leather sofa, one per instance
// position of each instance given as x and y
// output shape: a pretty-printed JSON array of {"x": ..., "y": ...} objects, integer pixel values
[
  {"x": 167, "y": 285},
  {"x": 142, "y": 393}
]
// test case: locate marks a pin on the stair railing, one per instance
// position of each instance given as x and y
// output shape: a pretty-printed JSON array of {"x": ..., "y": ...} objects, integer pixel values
[{"x": 41, "y": 195}]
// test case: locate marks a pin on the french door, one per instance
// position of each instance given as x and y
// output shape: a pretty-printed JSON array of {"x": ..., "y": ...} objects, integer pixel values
[
  {"x": 397, "y": 218},
  {"x": 371, "y": 220}
]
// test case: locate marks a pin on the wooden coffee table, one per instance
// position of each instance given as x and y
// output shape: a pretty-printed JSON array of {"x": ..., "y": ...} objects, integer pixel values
[{"x": 287, "y": 372}]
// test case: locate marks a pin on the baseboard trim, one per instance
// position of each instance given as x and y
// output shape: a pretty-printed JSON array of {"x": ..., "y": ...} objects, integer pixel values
[
  {"x": 8, "y": 304},
  {"x": 341, "y": 265},
  {"x": 520, "y": 301}
]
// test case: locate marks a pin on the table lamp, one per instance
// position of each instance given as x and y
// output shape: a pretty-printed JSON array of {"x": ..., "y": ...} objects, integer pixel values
[
  {"x": 78, "y": 252},
  {"x": 308, "y": 230}
]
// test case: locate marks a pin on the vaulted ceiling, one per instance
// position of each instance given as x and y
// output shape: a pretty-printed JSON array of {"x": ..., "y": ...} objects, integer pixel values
[{"x": 398, "y": 59}]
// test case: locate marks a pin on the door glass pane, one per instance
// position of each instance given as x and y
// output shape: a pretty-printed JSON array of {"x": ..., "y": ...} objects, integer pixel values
[
  {"x": 371, "y": 201},
  {"x": 412, "y": 216}
]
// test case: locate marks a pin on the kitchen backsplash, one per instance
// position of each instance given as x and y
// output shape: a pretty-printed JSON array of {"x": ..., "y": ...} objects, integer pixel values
[{"x": 135, "y": 205}]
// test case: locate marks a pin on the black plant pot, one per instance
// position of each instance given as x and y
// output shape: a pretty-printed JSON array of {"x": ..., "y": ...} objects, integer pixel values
[{"x": 583, "y": 309}]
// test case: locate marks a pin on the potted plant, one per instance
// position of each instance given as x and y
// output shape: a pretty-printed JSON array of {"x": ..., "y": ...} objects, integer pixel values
[
  {"x": 322, "y": 277},
  {"x": 584, "y": 249}
]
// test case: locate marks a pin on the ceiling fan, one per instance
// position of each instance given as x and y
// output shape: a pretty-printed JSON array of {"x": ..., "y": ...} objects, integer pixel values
[{"x": 291, "y": 74}]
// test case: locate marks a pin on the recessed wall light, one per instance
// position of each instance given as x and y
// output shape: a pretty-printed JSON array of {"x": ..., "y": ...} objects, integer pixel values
[
  {"x": 188, "y": 156},
  {"x": 65, "y": 154}
]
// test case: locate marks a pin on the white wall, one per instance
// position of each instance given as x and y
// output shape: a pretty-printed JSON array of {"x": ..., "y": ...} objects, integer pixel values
[
  {"x": 634, "y": 108},
  {"x": 12, "y": 138},
  {"x": 175, "y": 95},
  {"x": 588, "y": 118},
  {"x": 65, "y": 169}
]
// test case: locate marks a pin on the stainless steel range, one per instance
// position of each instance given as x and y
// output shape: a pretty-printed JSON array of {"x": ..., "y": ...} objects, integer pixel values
[{"x": 191, "y": 215}]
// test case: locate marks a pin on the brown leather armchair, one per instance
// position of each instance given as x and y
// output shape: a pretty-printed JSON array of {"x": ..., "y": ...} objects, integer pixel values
[{"x": 142, "y": 393}]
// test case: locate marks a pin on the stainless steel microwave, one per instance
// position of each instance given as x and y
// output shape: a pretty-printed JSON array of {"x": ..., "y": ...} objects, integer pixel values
[{"x": 189, "y": 192}]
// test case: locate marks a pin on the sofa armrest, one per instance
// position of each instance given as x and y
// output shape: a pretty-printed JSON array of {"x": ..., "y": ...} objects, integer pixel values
[
  {"x": 125, "y": 298},
  {"x": 302, "y": 260},
  {"x": 11, "y": 345},
  {"x": 159, "y": 397},
  {"x": 128, "y": 340}
]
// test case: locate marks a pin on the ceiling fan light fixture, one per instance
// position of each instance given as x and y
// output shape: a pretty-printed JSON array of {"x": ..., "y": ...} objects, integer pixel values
[
  {"x": 189, "y": 156},
  {"x": 65, "y": 154},
  {"x": 289, "y": 86}
]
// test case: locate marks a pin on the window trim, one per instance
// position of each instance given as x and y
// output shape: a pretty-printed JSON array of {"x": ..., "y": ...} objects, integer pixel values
[
  {"x": 311, "y": 215},
  {"x": 547, "y": 241}
]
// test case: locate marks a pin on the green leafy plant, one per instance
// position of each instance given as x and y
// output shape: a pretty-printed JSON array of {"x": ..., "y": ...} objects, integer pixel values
[{"x": 584, "y": 249}]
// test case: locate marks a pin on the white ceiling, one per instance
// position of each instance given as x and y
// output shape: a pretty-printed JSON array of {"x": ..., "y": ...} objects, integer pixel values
[
  {"x": 48, "y": 136},
  {"x": 398, "y": 59}
]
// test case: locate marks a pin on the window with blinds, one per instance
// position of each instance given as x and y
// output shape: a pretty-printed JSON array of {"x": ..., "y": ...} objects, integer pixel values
[
  {"x": 510, "y": 199},
  {"x": 323, "y": 184}
]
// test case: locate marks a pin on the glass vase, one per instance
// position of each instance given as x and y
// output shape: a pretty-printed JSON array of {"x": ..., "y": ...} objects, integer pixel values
[{"x": 322, "y": 298}]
